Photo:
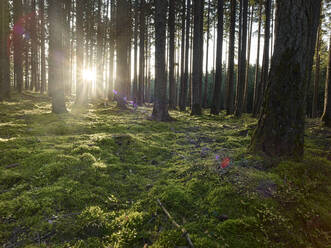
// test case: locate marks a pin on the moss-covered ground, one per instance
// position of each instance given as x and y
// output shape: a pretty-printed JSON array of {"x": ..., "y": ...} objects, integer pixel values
[{"x": 90, "y": 178}]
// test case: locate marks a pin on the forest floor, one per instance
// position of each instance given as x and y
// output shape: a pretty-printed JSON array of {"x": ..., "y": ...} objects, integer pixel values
[{"x": 92, "y": 179}]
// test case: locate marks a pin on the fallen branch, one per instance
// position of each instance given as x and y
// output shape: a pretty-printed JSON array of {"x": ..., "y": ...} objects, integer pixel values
[
  {"x": 12, "y": 166},
  {"x": 183, "y": 230}
]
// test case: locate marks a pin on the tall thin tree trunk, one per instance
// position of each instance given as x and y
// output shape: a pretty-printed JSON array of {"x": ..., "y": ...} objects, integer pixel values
[
  {"x": 140, "y": 99},
  {"x": 316, "y": 75},
  {"x": 18, "y": 42},
  {"x": 42, "y": 41},
  {"x": 56, "y": 21},
  {"x": 183, "y": 91},
  {"x": 242, "y": 68},
  {"x": 265, "y": 62},
  {"x": 160, "y": 110},
  {"x": 216, "y": 105},
  {"x": 122, "y": 46},
  {"x": 135, "y": 53},
  {"x": 197, "y": 56},
  {"x": 248, "y": 61},
  {"x": 171, "y": 26},
  {"x": 207, "y": 59},
  {"x": 256, "y": 81},
  {"x": 326, "y": 117},
  {"x": 230, "y": 74},
  {"x": 182, "y": 59},
  {"x": 4, "y": 51}
]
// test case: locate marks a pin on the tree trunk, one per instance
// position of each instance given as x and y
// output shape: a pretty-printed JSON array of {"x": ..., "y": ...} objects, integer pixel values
[
  {"x": 280, "y": 130},
  {"x": 122, "y": 45},
  {"x": 183, "y": 90},
  {"x": 160, "y": 110},
  {"x": 230, "y": 74},
  {"x": 42, "y": 41},
  {"x": 265, "y": 62},
  {"x": 141, "y": 99},
  {"x": 197, "y": 56},
  {"x": 18, "y": 42},
  {"x": 135, "y": 53},
  {"x": 326, "y": 117},
  {"x": 207, "y": 53},
  {"x": 111, "y": 50},
  {"x": 182, "y": 103},
  {"x": 56, "y": 21},
  {"x": 242, "y": 68},
  {"x": 4, "y": 51},
  {"x": 256, "y": 81},
  {"x": 248, "y": 60},
  {"x": 216, "y": 105},
  {"x": 317, "y": 76},
  {"x": 171, "y": 26},
  {"x": 81, "y": 89}
]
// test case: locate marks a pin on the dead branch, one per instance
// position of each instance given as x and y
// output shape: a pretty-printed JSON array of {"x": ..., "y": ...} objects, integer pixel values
[{"x": 183, "y": 230}]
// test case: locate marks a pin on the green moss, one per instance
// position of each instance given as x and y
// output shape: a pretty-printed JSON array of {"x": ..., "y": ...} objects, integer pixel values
[{"x": 91, "y": 179}]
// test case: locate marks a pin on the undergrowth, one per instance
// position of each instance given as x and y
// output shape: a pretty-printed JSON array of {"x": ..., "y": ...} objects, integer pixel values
[{"x": 91, "y": 179}]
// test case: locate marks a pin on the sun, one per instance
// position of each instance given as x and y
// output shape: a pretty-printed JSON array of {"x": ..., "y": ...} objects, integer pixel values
[{"x": 89, "y": 75}]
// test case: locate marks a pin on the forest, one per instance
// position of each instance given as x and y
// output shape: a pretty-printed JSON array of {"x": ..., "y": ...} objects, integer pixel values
[{"x": 165, "y": 123}]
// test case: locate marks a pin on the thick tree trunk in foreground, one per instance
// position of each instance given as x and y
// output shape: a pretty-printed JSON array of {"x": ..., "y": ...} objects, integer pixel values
[
  {"x": 280, "y": 130},
  {"x": 216, "y": 105},
  {"x": 56, "y": 52},
  {"x": 326, "y": 117},
  {"x": 160, "y": 110},
  {"x": 230, "y": 74},
  {"x": 197, "y": 56}
]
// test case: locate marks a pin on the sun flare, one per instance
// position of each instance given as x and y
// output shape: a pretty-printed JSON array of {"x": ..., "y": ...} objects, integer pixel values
[{"x": 89, "y": 75}]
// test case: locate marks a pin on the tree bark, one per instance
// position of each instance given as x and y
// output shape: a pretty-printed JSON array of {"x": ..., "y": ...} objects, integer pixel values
[
  {"x": 230, "y": 74},
  {"x": 142, "y": 20},
  {"x": 280, "y": 130},
  {"x": 18, "y": 42},
  {"x": 197, "y": 56},
  {"x": 242, "y": 68},
  {"x": 216, "y": 105},
  {"x": 205, "y": 94},
  {"x": 183, "y": 83},
  {"x": 171, "y": 26},
  {"x": 4, "y": 51},
  {"x": 265, "y": 62},
  {"x": 42, "y": 41},
  {"x": 183, "y": 90},
  {"x": 257, "y": 66},
  {"x": 56, "y": 21},
  {"x": 160, "y": 110},
  {"x": 81, "y": 89},
  {"x": 248, "y": 60},
  {"x": 122, "y": 45},
  {"x": 317, "y": 75},
  {"x": 326, "y": 117}
]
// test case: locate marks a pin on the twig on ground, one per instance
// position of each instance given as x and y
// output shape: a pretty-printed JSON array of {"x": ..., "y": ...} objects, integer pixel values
[{"x": 185, "y": 233}]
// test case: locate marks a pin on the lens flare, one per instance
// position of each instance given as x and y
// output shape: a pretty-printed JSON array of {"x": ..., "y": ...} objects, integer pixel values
[{"x": 89, "y": 75}]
